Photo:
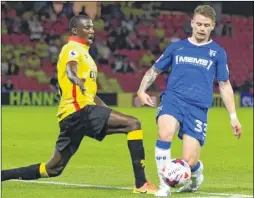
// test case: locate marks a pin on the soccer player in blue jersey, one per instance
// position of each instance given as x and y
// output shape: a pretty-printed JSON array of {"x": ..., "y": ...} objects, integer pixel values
[{"x": 195, "y": 63}]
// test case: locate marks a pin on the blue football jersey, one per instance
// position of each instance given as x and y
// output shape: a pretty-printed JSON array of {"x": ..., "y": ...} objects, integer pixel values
[{"x": 194, "y": 68}]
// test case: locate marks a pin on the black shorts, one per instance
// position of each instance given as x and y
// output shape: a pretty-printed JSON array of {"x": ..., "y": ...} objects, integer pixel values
[{"x": 90, "y": 121}]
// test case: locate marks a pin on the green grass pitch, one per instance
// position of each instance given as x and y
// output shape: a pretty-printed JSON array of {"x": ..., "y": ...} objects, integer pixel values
[{"x": 29, "y": 135}]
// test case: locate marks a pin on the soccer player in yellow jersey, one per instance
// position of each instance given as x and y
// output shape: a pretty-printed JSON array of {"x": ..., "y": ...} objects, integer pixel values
[{"x": 82, "y": 113}]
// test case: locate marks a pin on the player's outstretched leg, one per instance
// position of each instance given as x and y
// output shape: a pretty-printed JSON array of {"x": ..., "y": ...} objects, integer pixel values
[
  {"x": 120, "y": 123},
  {"x": 52, "y": 168},
  {"x": 191, "y": 154},
  {"x": 167, "y": 125}
]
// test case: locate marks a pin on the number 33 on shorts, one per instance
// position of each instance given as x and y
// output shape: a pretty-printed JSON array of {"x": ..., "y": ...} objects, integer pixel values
[
  {"x": 199, "y": 130},
  {"x": 200, "y": 126},
  {"x": 194, "y": 128}
]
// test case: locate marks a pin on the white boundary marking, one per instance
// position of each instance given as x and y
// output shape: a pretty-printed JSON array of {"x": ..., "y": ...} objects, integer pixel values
[{"x": 128, "y": 188}]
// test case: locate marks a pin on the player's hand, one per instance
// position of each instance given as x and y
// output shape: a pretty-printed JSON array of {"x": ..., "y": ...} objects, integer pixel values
[
  {"x": 145, "y": 99},
  {"x": 237, "y": 128},
  {"x": 81, "y": 85}
]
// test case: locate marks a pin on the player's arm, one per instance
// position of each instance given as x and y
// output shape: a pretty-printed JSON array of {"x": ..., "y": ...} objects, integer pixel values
[
  {"x": 227, "y": 95},
  {"x": 148, "y": 79},
  {"x": 72, "y": 57},
  {"x": 99, "y": 101},
  {"x": 226, "y": 91},
  {"x": 162, "y": 64},
  {"x": 71, "y": 69}
]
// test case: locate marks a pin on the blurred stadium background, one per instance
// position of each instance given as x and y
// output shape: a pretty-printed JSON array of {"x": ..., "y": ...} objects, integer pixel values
[{"x": 129, "y": 38}]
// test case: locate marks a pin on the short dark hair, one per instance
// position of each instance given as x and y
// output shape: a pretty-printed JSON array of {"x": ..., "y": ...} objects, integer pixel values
[{"x": 76, "y": 20}]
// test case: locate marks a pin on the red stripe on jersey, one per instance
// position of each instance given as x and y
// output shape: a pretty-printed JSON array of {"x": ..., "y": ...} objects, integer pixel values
[{"x": 74, "y": 95}]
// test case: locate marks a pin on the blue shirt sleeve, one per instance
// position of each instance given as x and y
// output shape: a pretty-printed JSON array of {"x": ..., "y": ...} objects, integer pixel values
[
  {"x": 164, "y": 62},
  {"x": 222, "y": 72}
]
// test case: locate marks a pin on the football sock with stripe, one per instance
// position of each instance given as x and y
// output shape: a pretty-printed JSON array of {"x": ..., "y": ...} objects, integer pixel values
[
  {"x": 162, "y": 156},
  {"x": 197, "y": 170},
  {"x": 136, "y": 148},
  {"x": 32, "y": 172}
]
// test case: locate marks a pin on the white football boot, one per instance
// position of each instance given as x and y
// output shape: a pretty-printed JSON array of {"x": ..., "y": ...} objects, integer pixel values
[
  {"x": 193, "y": 184},
  {"x": 164, "y": 189},
  {"x": 163, "y": 192}
]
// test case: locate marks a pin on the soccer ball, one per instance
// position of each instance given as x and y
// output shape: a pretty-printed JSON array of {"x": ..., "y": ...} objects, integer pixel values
[{"x": 176, "y": 173}]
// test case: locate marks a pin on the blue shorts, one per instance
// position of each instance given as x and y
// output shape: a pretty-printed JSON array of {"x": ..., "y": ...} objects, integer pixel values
[{"x": 193, "y": 119}]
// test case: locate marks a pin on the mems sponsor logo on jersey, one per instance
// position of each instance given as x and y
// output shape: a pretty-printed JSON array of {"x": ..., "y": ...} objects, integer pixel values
[{"x": 194, "y": 61}]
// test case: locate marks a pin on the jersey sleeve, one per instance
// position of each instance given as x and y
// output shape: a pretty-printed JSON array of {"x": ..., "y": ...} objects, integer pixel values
[
  {"x": 71, "y": 54},
  {"x": 222, "y": 72},
  {"x": 164, "y": 62}
]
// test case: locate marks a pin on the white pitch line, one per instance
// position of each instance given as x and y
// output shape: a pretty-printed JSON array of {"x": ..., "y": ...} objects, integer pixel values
[{"x": 230, "y": 195}]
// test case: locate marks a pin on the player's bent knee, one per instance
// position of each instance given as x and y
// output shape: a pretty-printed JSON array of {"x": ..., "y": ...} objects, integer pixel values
[
  {"x": 134, "y": 129},
  {"x": 167, "y": 125},
  {"x": 134, "y": 124},
  {"x": 163, "y": 136}
]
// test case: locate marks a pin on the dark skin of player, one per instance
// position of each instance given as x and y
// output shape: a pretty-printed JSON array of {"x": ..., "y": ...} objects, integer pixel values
[
  {"x": 82, "y": 28},
  {"x": 117, "y": 123}
]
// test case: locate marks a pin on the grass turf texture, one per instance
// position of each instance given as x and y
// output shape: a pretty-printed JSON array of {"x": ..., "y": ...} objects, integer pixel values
[{"x": 29, "y": 135}]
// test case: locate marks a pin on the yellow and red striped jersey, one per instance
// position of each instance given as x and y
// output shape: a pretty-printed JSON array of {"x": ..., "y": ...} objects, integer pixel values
[{"x": 72, "y": 99}]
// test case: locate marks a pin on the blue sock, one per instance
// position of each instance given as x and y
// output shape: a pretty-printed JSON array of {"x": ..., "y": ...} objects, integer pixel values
[
  {"x": 196, "y": 167},
  {"x": 163, "y": 144}
]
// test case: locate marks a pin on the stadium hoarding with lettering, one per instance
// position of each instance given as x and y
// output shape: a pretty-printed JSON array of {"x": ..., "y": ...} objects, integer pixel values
[
  {"x": 246, "y": 99},
  {"x": 45, "y": 98},
  {"x": 30, "y": 98},
  {"x": 111, "y": 99},
  {"x": 217, "y": 100}
]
